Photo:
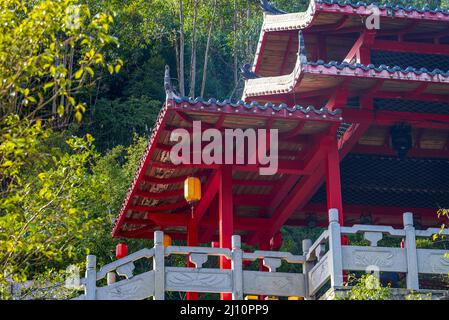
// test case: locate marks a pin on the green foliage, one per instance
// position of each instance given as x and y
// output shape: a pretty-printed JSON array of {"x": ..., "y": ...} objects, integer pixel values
[
  {"x": 367, "y": 287},
  {"x": 113, "y": 122},
  {"x": 42, "y": 224},
  {"x": 48, "y": 52},
  {"x": 418, "y": 296},
  {"x": 109, "y": 181}
]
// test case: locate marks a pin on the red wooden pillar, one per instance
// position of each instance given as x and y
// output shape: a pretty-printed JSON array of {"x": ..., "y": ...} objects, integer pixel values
[
  {"x": 333, "y": 184},
  {"x": 333, "y": 187},
  {"x": 192, "y": 241},
  {"x": 225, "y": 218}
]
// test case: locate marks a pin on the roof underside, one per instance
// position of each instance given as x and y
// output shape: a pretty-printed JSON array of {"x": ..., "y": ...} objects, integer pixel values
[
  {"x": 369, "y": 182},
  {"x": 156, "y": 195}
]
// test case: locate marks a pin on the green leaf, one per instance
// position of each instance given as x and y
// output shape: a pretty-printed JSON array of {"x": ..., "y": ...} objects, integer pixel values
[
  {"x": 60, "y": 110},
  {"x": 48, "y": 85},
  {"x": 78, "y": 116},
  {"x": 79, "y": 73}
]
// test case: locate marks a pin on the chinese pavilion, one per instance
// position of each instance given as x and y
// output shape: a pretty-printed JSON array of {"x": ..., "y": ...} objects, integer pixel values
[{"x": 362, "y": 110}]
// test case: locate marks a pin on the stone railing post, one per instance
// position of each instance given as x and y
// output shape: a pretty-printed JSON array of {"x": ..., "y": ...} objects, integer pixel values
[
  {"x": 158, "y": 266},
  {"x": 412, "y": 256},
  {"x": 110, "y": 278},
  {"x": 90, "y": 288},
  {"x": 307, "y": 266},
  {"x": 237, "y": 269},
  {"x": 335, "y": 255}
]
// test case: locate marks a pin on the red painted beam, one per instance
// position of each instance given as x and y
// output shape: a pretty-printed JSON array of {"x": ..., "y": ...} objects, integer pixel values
[
  {"x": 315, "y": 156},
  {"x": 408, "y": 47},
  {"x": 159, "y": 208},
  {"x": 294, "y": 167},
  {"x": 304, "y": 190},
  {"x": 265, "y": 183},
  {"x": 251, "y": 200},
  {"x": 209, "y": 193},
  {"x": 159, "y": 195},
  {"x": 366, "y": 38},
  {"x": 388, "y": 118}
]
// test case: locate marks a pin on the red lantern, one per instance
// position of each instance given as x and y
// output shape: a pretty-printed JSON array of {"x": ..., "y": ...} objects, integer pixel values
[{"x": 121, "y": 250}]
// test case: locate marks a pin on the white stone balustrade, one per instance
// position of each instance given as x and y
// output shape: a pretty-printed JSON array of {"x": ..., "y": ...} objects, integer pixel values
[{"x": 323, "y": 261}]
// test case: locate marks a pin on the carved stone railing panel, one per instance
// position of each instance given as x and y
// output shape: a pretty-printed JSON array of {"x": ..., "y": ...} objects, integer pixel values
[
  {"x": 198, "y": 280},
  {"x": 138, "y": 288},
  {"x": 433, "y": 261},
  {"x": 144, "y": 253},
  {"x": 322, "y": 239},
  {"x": 318, "y": 275},
  {"x": 273, "y": 283},
  {"x": 385, "y": 259}
]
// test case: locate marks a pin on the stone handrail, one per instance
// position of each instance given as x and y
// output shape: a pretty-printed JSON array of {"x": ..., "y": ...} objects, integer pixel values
[{"x": 324, "y": 261}]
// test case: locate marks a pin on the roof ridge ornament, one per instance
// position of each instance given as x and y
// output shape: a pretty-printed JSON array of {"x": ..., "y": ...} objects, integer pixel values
[
  {"x": 247, "y": 73},
  {"x": 169, "y": 89},
  {"x": 269, "y": 9},
  {"x": 167, "y": 81}
]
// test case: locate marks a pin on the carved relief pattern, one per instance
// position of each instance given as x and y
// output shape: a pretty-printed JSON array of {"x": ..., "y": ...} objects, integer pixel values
[
  {"x": 366, "y": 258},
  {"x": 136, "y": 288},
  {"x": 187, "y": 280},
  {"x": 319, "y": 274},
  {"x": 276, "y": 283},
  {"x": 438, "y": 263}
]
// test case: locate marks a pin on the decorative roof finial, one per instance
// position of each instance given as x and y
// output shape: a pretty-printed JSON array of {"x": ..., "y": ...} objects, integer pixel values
[
  {"x": 246, "y": 72},
  {"x": 167, "y": 81},
  {"x": 269, "y": 9}
]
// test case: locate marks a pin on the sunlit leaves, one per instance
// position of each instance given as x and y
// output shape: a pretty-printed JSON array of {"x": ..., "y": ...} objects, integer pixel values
[
  {"x": 49, "y": 51},
  {"x": 43, "y": 219}
]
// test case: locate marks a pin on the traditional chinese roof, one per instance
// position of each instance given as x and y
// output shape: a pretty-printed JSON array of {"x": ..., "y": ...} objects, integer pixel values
[
  {"x": 340, "y": 22},
  {"x": 155, "y": 199},
  {"x": 308, "y": 77}
]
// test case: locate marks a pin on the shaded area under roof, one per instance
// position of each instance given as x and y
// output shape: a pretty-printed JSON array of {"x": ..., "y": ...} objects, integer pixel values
[{"x": 393, "y": 182}]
